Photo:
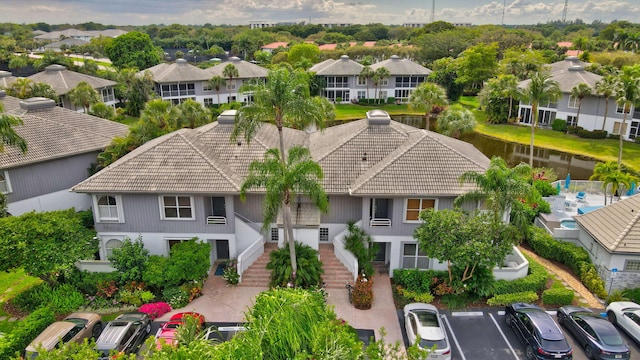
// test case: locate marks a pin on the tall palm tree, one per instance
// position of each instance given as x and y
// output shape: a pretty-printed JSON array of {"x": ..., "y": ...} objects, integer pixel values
[
  {"x": 579, "y": 92},
  {"x": 510, "y": 89},
  {"x": 627, "y": 93},
  {"x": 606, "y": 87},
  {"x": 380, "y": 74},
  {"x": 425, "y": 97},
  {"x": 83, "y": 95},
  {"x": 499, "y": 187},
  {"x": 191, "y": 115},
  {"x": 455, "y": 121},
  {"x": 230, "y": 71},
  {"x": 216, "y": 83},
  {"x": 283, "y": 100},
  {"x": 158, "y": 118},
  {"x": 367, "y": 73},
  {"x": 541, "y": 89},
  {"x": 603, "y": 171},
  {"x": 8, "y": 136}
]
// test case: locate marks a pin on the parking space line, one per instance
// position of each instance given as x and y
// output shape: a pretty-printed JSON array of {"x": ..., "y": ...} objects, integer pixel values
[
  {"x": 504, "y": 337},
  {"x": 455, "y": 339}
]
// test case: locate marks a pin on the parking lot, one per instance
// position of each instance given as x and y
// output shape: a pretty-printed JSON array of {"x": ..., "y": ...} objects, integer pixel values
[{"x": 479, "y": 335}]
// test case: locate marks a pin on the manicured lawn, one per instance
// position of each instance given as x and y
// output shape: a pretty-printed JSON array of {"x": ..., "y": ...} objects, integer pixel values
[
  {"x": 129, "y": 120},
  {"x": 353, "y": 111},
  {"x": 14, "y": 282}
]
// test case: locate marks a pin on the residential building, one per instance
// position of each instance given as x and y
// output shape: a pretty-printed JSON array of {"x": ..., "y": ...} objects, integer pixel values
[
  {"x": 63, "y": 146},
  {"x": 179, "y": 81},
  {"x": 257, "y": 24},
  {"x": 63, "y": 81},
  {"x": 274, "y": 45},
  {"x": 247, "y": 71},
  {"x": 378, "y": 173},
  {"x": 406, "y": 75},
  {"x": 77, "y": 34},
  {"x": 569, "y": 73}
]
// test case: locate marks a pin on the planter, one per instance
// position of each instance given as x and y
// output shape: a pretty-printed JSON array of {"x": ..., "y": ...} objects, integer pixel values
[{"x": 363, "y": 293}]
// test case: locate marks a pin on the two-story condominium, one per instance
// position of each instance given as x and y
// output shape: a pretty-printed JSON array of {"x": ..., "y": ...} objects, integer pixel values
[
  {"x": 179, "y": 81},
  {"x": 63, "y": 81},
  {"x": 62, "y": 147},
  {"x": 570, "y": 73},
  {"x": 343, "y": 82},
  {"x": 378, "y": 173},
  {"x": 230, "y": 93},
  {"x": 406, "y": 75}
]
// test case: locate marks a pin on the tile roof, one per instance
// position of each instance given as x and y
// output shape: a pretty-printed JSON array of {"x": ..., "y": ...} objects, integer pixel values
[
  {"x": 398, "y": 66},
  {"x": 275, "y": 45},
  {"x": 246, "y": 70},
  {"x": 616, "y": 226},
  {"x": 6, "y": 79},
  {"x": 63, "y": 80},
  {"x": 400, "y": 160},
  {"x": 342, "y": 66},
  {"x": 52, "y": 132},
  {"x": 179, "y": 71},
  {"x": 569, "y": 73}
]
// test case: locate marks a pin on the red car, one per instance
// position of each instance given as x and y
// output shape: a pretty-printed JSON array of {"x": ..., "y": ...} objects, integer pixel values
[{"x": 167, "y": 332}]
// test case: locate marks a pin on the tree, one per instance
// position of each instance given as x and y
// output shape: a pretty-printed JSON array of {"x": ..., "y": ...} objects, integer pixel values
[
  {"x": 613, "y": 178},
  {"x": 380, "y": 74},
  {"x": 425, "y": 97},
  {"x": 45, "y": 244},
  {"x": 468, "y": 241},
  {"x": 83, "y": 95},
  {"x": 133, "y": 50},
  {"x": 191, "y": 115},
  {"x": 444, "y": 74},
  {"x": 477, "y": 64},
  {"x": 455, "y": 121},
  {"x": 41, "y": 89},
  {"x": 627, "y": 93},
  {"x": 541, "y": 89},
  {"x": 134, "y": 90},
  {"x": 509, "y": 84},
  {"x": 302, "y": 51},
  {"x": 216, "y": 83},
  {"x": 130, "y": 260},
  {"x": 230, "y": 71},
  {"x": 19, "y": 62},
  {"x": 579, "y": 92},
  {"x": 8, "y": 135},
  {"x": 21, "y": 88},
  {"x": 606, "y": 87},
  {"x": 284, "y": 181},
  {"x": 103, "y": 110},
  {"x": 367, "y": 73}
]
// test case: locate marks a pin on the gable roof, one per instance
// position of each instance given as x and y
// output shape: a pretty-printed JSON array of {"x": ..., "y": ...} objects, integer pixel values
[
  {"x": 246, "y": 70},
  {"x": 399, "y": 160},
  {"x": 398, "y": 66},
  {"x": 63, "y": 80},
  {"x": 179, "y": 71},
  {"x": 616, "y": 226},
  {"x": 275, "y": 45},
  {"x": 342, "y": 66},
  {"x": 52, "y": 132}
]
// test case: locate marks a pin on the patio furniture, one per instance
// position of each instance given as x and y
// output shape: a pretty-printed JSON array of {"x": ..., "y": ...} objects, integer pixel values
[{"x": 581, "y": 196}]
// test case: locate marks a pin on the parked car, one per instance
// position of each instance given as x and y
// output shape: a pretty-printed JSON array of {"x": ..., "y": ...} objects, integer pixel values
[
  {"x": 626, "y": 315},
  {"x": 423, "y": 323},
  {"x": 541, "y": 336},
  {"x": 124, "y": 334},
  {"x": 594, "y": 333},
  {"x": 219, "y": 334},
  {"x": 167, "y": 332},
  {"x": 75, "y": 327}
]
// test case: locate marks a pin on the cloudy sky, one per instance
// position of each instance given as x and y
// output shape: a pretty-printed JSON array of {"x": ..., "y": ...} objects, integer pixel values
[{"x": 142, "y": 12}]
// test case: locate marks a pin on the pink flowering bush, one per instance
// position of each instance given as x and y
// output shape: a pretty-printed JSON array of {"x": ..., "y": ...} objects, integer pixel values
[{"x": 156, "y": 309}]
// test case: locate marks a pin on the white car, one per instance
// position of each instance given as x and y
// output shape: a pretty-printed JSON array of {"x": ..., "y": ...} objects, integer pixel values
[
  {"x": 423, "y": 323},
  {"x": 626, "y": 315}
]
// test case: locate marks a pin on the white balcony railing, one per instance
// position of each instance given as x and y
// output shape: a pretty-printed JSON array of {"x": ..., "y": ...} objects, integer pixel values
[
  {"x": 380, "y": 222},
  {"x": 216, "y": 220}
]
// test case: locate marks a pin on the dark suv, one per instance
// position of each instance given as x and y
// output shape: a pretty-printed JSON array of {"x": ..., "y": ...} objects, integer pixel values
[
  {"x": 541, "y": 336},
  {"x": 124, "y": 334}
]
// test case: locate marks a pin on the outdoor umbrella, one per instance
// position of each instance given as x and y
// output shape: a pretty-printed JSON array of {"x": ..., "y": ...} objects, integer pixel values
[{"x": 567, "y": 182}]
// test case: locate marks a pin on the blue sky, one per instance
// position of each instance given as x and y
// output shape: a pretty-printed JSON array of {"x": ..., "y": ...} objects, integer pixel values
[{"x": 142, "y": 12}]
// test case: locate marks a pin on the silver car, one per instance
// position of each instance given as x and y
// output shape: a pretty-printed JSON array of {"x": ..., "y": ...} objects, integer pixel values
[{"x": 424, "y": 324}]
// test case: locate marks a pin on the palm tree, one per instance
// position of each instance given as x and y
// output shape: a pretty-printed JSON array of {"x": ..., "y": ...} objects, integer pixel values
[
  {"x": 540, "y": 90},
  {"x": 8, "y": 136},
  {"x": 41, "y": 89},
  {"x": 191, "y": 115},
  {"x": 606, "y": 87},
  {"x": 367, "y": 73},
  {"x": 455, "y": 121},
  {"x": 510, "y": 89},
  {"x": 380, "y": 74},
  {"x": 499, "y": 187},
  {"x": 216, "y": 83},
  {"x": 299, "y": 175},
  {"x": 425, "y": 97},
  {"x": 83, "y": 95},
  {"x": 230, "y": 71},
  {"x": 21, "y": 88},
  {"x": 158, "y": 118},
  {"x": 627, "y": 93},
  {"x": 283, "y": 100},
  {"x": 18, "y": 62},
  {"x": 579, "y": 92},
  {"x": 602, "y": 171}
]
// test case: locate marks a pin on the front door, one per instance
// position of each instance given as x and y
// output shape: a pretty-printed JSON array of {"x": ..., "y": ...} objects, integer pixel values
[
  {"x": 222, "y": 249},
  {"x": 381, "y": 254}
]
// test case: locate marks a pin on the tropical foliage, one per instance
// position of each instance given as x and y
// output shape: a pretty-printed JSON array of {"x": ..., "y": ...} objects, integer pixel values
[
  {"x": 8, "y": 135},
  {"x": 309, "y": 272}
]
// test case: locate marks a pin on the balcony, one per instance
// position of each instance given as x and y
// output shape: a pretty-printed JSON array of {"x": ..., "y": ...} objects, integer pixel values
[
  {"x": 380, "y": 222},
  {"x": 216, "y": 220}
]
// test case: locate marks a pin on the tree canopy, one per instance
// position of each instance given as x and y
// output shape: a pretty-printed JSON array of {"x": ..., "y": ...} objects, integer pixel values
[{"x": 133, "y": 50}]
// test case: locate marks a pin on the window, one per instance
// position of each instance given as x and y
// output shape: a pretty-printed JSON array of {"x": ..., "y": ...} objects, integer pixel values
[
  {"x": 5, "y": 185},
  {"x": 108, "y": 208},
  {"x": 107, "y": 95},
  {"x": 206, "y": 86},
  {"x": 337, "y": 82},
  {"x": 625, "y": 109},
  {"x": 176, "y": 90},
  {"x": 413, "y": 257},
  {"x": 177, "y": 207},
  {"x": 208, "y": 101},
  {"x": 632, "y": 265},
  {"x": 383, "y": 82},
  {"x": 573, "y": 102},
  {"x": 635, "y": 130},
  {"x": 337, "y": 95},
  {"x": 110, "y": 245},
  {"x": 362, "y": 94},
  {"x": 324, "y": 234},
  {"x": 383, "y": 95},
  {"x": 403, "y": 94},
  {"x": 409, "y": 81},
  {"x": 414, "y": 206},
  {"x": 572, "y": 120},
  {"x": 616, "y": 128},
  {"x": 231, "y": 85},
  {"x": 362, "y": 81}
]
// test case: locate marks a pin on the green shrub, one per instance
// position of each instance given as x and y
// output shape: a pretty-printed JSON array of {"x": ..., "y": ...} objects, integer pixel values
[
  {"x": 188, "y": 261},
  {"x": 230, "y": 273},
  {"x": 177, "y": 297},
  {"x": 135, "y": 297},
  {"x": 416, "y": 280},
  {"x": 559, "y": 125},
  {"x": 573, "y": 129},
  {"x": 130, "y": 260},
  {"x": 558, "y": 296},
  {"x": 363, "y": 293},
  {"x": 592, "y": 281},
  {"x": 33, "y": 298},
  {"x": 637, "y": 140},
  {"x": 545, "y": 188},
  {"x": 25, "y": 331},
  {"x": 154, "y": 273},
  {"x": 567, "y": 253},
  {"x": 614, "y": 136},
  {"x": 87, "y": 282},
  {"x": 632, "y": 294},
  {"x": 510, "y": 298},
  {"x": 309, "y": 267},
  {"x": 535, "y": 281},
  {"x": 65, "y": 298},
  {"x": 361, "y": 245},
  {"x": 595, "y": 134},
  {"x": 425, "y": 297}
]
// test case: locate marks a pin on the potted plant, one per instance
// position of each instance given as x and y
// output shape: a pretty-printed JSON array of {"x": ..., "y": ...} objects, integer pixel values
[
  {"x": 363, "y": 293},
  {"x": 231, "y": 272}
]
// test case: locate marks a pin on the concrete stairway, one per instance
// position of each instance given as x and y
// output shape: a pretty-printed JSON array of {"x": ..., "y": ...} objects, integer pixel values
[{"x": 335, "y": 274}]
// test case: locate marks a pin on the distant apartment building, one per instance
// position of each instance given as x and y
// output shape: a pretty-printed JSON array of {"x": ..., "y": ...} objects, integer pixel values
[{"x": 419, "y": 25}]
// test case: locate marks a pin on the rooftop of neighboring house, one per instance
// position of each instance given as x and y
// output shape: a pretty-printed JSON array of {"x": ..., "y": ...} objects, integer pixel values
[
  {"x": 246, "y": 70},
  {"x": 371, "y": 156},
  {"x": 63, "y": 80},
  {"x": 6, "y": 79},
  {"x": 342, "y": 66},
  {"x": 400, "y": 66},
  {"x": 75, "y": 33},
  {"x": 178, "y": 71},
  {"x": 568, "y": 73},
  {"x": 275, "y": 45},
  {"x": 66, "y": 42},
  {"x": 52, "y": 132}
]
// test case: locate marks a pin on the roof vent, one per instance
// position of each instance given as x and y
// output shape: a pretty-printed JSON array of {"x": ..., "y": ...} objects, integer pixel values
[
  {"x": 344, "y": 57},
  {"x": 55, "y": 67},
  {"x": 4, "y": 74},
  {"x": 228, "y": 117},
  {"x": 37, "y": 103},
  {"x": 576, "y": 68},
  {"x": 378, "y": 117},
  {"x": 181, "y": 61},
  {"x": 394, "y": 57}
]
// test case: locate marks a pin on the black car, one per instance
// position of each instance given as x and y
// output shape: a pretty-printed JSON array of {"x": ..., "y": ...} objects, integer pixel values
[
  {"x": 541, "y": 336},
  {"x": 124, "y": 334},
  {"x": 596, "y": 334}
]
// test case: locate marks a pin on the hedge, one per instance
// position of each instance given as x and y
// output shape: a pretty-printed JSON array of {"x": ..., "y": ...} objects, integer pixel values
[
  {"x": 535, "y": 281},
  {"x": 558, "y": 296},
  {"x": 592, "y": 281},
  {"x": 559, "y": 125},
  {"x": 25, "y": 331},
  {"x": 510, "y": 298},
  {"x": 595, "y": 134},
  {"x": 419, "y": 281}
]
